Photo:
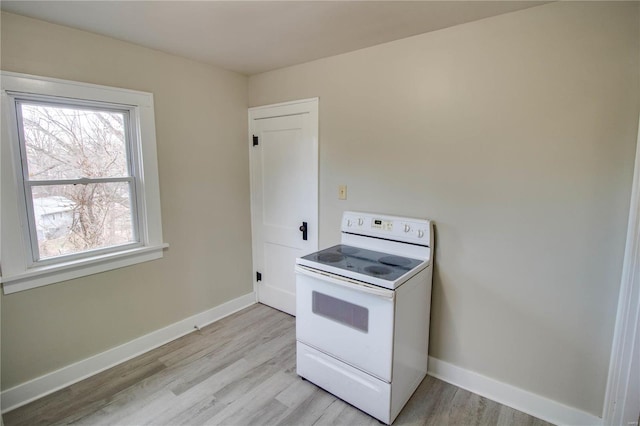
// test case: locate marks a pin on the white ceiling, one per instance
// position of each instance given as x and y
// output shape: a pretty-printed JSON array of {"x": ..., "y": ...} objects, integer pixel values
[{"x": 256, "y": 36}]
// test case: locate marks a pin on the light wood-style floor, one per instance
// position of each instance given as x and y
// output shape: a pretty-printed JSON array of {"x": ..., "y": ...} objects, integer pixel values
[{"x": 239, "y": 371}]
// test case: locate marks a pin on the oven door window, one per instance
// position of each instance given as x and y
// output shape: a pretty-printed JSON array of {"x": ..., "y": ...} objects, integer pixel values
[{"x": 340, "y": 311}]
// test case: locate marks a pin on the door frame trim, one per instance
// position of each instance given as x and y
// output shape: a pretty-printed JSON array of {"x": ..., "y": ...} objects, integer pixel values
[
  {"x": 302, "y": 106},
  {"x": 285, "y": 108},
  {"x": 626, "y": 340}
]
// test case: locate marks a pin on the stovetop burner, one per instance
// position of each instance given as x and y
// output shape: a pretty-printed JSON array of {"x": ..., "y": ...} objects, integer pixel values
[
  {"x": 378, "y": 270},
  {"x": 330, "y": 257}
]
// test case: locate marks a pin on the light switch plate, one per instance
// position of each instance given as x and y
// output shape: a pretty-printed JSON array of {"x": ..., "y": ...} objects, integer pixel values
[{"x": 342, "y": 192}]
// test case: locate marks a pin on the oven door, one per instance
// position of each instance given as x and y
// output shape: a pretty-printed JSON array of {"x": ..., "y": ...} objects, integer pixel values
[{"x": 347, "y": 319}]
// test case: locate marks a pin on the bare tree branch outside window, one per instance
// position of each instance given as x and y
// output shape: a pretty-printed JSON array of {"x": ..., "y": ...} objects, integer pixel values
[{"x": 66, "y": 143}]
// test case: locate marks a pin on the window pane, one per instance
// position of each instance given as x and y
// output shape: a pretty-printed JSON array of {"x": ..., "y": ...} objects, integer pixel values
[
  {"x": 341, "y": 311},
  {"x": 69, "y": 142},
  {"x": 74, "y": 218}
]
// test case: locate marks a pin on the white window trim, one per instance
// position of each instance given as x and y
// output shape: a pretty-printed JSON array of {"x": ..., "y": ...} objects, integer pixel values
[{"x": 17, "y": 272}]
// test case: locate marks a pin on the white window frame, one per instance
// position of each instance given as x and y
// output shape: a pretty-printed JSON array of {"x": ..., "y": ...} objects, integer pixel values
[{"x": 19, "y": 270}]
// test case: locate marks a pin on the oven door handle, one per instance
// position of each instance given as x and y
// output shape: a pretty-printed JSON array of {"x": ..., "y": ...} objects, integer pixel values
[{"x": 346, "y": 282}]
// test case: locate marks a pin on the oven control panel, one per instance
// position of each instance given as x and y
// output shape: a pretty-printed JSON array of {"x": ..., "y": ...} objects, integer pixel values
[
  {"x": 389, "y": 227},
  {"x": 381, "y": 224}
]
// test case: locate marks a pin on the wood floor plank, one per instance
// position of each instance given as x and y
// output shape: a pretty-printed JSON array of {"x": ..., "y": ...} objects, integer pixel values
[
  {"x": 309, "y": 410},
  {"x": 470, "y": 409},
  {"x": 299, "y": 391},
  {"x": 240, "y": 371},
  {"x": 254, "y": 399},
  {"x": 113, "y": 413},
  {"x": 509, "y": 416},
  {"x": 53, "y": 408},
  {"x": 131, "y": 413},
  {"x": 429, "y": 404},
  {"x": 228, "y": 336},
  {"x": 266, "y": 415},
  {"x": 341, "y": 413}
]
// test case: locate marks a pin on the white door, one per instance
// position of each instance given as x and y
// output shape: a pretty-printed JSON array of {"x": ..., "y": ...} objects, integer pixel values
[{"x": 284, "y": 196}]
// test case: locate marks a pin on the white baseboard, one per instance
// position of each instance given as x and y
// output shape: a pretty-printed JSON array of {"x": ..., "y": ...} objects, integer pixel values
[
  {"x": 511, "y": 396},
  {"x": 41, "y": 386}
]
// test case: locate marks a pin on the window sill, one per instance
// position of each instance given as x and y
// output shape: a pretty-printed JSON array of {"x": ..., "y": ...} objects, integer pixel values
[{"x": 50, "y": 274}]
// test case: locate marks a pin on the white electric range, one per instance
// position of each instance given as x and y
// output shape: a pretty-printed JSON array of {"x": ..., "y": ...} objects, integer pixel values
[{"x": 362, "y": 325}]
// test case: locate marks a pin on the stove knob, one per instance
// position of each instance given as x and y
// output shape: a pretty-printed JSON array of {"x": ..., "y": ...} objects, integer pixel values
[
  {"x": 407, "y": 228},
  {"x": 360, "y": 221},
  {"x": 420, "y": 233}
]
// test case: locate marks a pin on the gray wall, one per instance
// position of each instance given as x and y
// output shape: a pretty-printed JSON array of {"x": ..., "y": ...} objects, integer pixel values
[
  {"x": 516, "y": 134},
  {"x": 201, "y": 124}
]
